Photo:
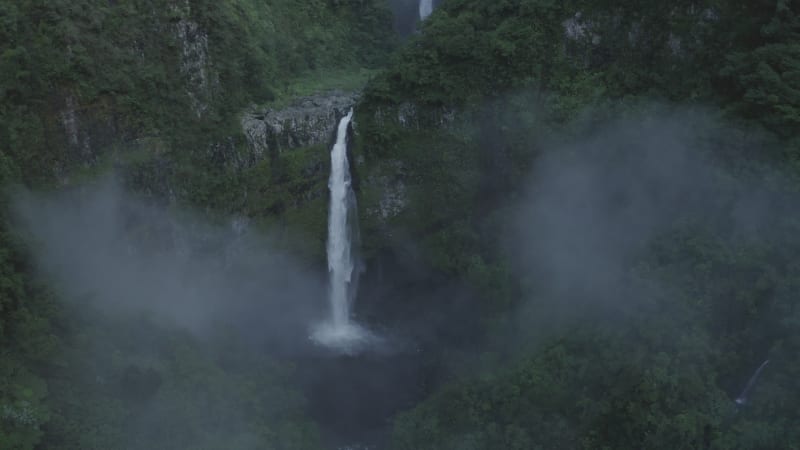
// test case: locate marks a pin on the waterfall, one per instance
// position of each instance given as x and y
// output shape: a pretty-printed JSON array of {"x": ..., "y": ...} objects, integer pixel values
[
  {"x": 742, "y": 398},
  {"x": 425, "y": 8},
  {"x": 339, "y": 331},
  {"x": 341, "y": 230}
]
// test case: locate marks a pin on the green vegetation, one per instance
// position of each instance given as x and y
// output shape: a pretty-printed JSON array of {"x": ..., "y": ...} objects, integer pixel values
[
  {"x": 537, "y": 85},
  {"x": 462, "y": 113},
  {"x": 94, "y": 73},
  {"x": 663, "y": 375},
  {"x": 153, "y": 89},
  {"x": 132, "y": 384},
  {"x": 316, "y": 82}
]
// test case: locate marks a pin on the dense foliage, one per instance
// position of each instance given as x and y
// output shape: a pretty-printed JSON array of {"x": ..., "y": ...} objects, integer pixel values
[
  {"x": 99, "y": 76},
  {"x": 664, "y": 369},
  {"x": 151, "y": 85},
  {"x": 460, "y": 116}
]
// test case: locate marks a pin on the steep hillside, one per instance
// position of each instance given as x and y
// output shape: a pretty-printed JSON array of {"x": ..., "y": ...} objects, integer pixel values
[
  {"x": 578, "y": 219},
  {"x": 83, "y": 80},
  {"x": 152, "y": 91},
  {"x": 614, "y": 180},
  {"x": 466, "y": 139}
]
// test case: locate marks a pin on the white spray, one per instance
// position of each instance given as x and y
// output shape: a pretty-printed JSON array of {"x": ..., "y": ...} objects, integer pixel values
[{"x": 425, "y": 8}]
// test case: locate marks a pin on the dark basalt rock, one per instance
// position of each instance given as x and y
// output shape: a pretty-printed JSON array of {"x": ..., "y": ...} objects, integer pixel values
[{"x": 308, "y": 121}]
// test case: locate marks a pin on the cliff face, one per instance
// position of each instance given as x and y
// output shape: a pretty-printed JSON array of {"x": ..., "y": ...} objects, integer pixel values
[
  {"x": 178, "y": 71},
  {"x": 423, "y": 134},
  {"x": 298, "y": 137},
  {"x": 307, "y": 121}
]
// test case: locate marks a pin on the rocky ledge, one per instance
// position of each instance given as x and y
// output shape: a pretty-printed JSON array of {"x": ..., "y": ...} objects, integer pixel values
[{"x": 307, "y": 121}]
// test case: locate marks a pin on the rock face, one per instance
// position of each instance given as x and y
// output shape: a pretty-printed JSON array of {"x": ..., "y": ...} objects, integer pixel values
[
  {"x": 86, "y": 131},
  {"x": 409, "y": 115},
  {"x": 390, "y": 182},
  {"x": 312, "y": 121},
  {"x": 308, "y": 121},
  {"x": 577, "y": 28},
  {"x": 593, "y": 30},
  {"x": 194, "y": 64}
]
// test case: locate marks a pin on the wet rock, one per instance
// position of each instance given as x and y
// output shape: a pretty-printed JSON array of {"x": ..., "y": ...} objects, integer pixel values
[{"x": 307, "y": 121}]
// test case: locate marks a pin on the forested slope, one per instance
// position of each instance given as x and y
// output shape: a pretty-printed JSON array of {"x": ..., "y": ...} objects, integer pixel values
[
  {"x": 151, "y": 90},
  {"x": 618, "y": 180},
  {"x": 584, "y": 214}
]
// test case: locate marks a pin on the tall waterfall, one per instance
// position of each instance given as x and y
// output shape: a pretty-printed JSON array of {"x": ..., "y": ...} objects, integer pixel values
[
  {"x": 425, "y": 8},
  {"x": 339, "y": 331},
  {"x": 341, "y": 230}
]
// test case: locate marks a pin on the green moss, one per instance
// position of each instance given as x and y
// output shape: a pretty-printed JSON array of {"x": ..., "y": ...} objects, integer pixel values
[
  {"x": 287, "y": 195},
  {"x": 309, "y": 224},
  {"x": 345, "y": 79}
]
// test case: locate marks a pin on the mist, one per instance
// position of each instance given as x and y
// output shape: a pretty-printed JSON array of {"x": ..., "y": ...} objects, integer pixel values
[
  {"x": 592, "y": 205},
  {"x": 580, "y": 235},
  {"x": 208, "y": 313},
  {"x": 601, "y": 201},
  {"x": 102, "y": 245}
]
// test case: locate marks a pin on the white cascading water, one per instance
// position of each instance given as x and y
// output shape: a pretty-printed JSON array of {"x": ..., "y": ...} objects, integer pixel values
[
  {"x": 425, "y": 8},
  {"x": 341, "y": 263},
  {"x": 339, "y": 331}
]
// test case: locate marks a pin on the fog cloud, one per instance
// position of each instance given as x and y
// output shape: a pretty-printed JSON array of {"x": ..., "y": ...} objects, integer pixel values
[
  {"x": 102, "y": 245},
  {"x": 594, "y": 205}
]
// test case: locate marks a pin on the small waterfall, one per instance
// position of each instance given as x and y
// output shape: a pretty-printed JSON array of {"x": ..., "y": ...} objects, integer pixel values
[
  {"x": 425, "y": 8},
  {"x": 340, "y": 332},
  {"x": 742, "y": 398}
]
